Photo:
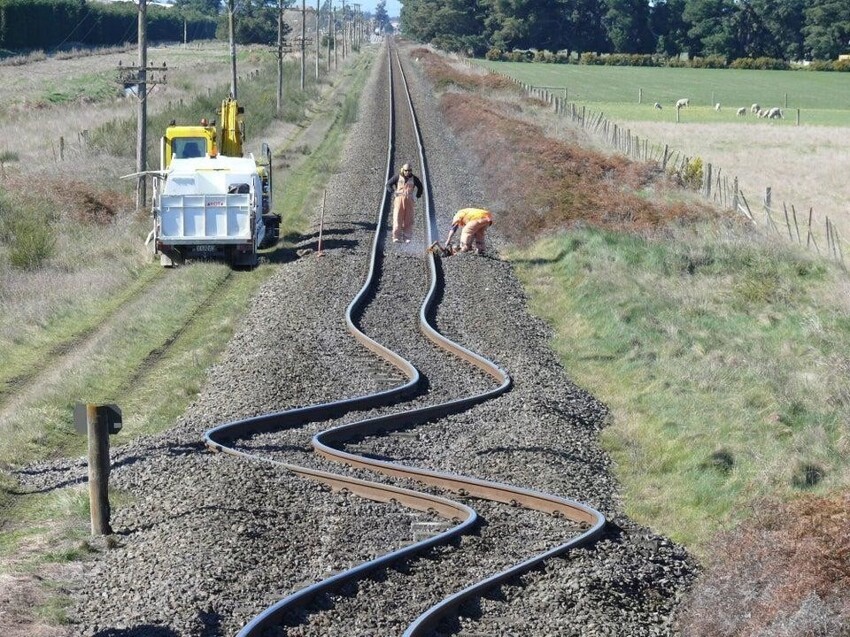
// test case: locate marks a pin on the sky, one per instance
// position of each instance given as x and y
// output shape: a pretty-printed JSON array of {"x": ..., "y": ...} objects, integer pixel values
[{"x": 393, "y": 6}]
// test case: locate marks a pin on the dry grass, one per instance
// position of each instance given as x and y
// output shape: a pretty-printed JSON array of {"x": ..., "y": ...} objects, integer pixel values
[
  {"x": 786, "y": 573},
  {"x": 805, "y": 166}
]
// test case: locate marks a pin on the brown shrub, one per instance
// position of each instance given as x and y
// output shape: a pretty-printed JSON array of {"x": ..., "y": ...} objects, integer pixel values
[
  {"x": 786, "y": 572},
  {"x": 443, "y": 74},
  {"x": 548, "y": 183},
  {"x": 81, "y": 202}
]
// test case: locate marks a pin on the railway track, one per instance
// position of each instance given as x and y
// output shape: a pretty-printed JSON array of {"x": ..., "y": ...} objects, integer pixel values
[{"x": 423, "y": 399}]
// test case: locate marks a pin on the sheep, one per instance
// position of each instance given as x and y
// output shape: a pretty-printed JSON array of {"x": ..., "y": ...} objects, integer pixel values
[
  {"x": 742, "y": 111},
  {"x": 761, "y": 113},
  {"x": 755, "y": 108},
  {"x": 774, "y": 113},
  {"x": 658, "y": 106},
  {"x": 717, "y": 107},
  {"x": 682, "y": 103}
]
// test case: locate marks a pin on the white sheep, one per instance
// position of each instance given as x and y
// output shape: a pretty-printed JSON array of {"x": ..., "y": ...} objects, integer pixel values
[
  {"x": 755, "y": 108},
  {"x": 761, "y": 113},
  {"x": 658, "y": 106},
  {"x": 742, "y": 111},
  {"x": 717, "y": 107},
  {"x": 774, "y": 113},
  {"x": 682, "y": 103}
]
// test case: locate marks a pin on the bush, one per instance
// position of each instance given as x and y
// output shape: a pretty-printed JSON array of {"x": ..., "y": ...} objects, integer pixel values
[
  {"x": 28, "y": 233},
  {"x": 762, "y": 64},
  {"x": 709, "y": 62},
  {"x": 774, "y": 574},
  {"x": 692, "y": 174},
  {"x": 32, "y": 239},
  {"x": 494, "y": 54}
]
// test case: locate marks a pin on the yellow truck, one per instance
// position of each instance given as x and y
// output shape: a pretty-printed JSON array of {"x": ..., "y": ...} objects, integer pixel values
[{"x": 212, "y": 201}]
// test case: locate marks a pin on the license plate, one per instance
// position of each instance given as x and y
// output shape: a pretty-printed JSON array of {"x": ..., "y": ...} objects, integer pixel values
[{"x": 206, "y": 248}]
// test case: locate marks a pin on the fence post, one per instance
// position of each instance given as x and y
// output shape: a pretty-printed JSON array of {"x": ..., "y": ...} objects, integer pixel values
[
  {"x": 787, "y": 221},
  {"x": 707, "y": 190},
  {"x": 735, "y": 194}
]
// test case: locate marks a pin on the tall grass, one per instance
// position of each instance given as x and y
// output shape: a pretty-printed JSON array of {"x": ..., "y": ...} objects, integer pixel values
[{"x": 723, "y": 360}]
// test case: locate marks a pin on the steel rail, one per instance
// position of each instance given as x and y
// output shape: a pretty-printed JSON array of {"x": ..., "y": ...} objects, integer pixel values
[{"x": 220, "y": 438}]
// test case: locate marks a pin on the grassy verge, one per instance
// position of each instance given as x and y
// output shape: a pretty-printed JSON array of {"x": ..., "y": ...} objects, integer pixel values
[
  {"x": 303, "y": 183},
  {"x": 722, "y": 361}
]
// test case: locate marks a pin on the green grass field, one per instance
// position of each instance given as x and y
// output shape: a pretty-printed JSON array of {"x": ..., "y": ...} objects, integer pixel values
[{"x": 823, "y": 98}]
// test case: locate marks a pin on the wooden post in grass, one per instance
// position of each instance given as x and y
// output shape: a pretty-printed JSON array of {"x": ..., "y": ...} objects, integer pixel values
[
  {"x": 798, "y": 117},
  {"x": 787, "y": 221},
  {"x": 796, "y": 225},
  {"x": 97, "y": 422},
  {"x": 640, "y": 96},
  {"x": 319, "y": 253}
]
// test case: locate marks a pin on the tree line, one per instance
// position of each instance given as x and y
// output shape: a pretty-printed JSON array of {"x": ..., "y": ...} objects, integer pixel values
[{"x": 790, "y": 30}]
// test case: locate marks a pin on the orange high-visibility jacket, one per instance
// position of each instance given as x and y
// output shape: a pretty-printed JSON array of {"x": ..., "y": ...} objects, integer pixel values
[{"x": 467, "y": 215}]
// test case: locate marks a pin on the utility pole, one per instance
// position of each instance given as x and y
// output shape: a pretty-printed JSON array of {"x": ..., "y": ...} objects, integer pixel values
[
  {"x": 231, "y": 10},
  {"x": 330, "y": 32},
  {"x": 335, "y": 45},
  {"x": 355, "y": 26},
  {"x": 279, "y": 56},
  {"x": 318, "y": 40},
  {"x": 142, "y": 112},
  {"x": 343, "y": 29},
  {"x": 303, "y": 39}
]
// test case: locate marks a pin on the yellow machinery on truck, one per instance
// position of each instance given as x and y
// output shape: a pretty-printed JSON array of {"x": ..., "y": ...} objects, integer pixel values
[{"x": 211, "y": 200}]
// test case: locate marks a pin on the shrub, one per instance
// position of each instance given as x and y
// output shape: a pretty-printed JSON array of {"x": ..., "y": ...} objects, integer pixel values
[
  {"x": 692, "y": 174},
  {"x": 709, "y": 62},
  {"x": 32, "y": 239},
  {"x": 773, "y": 575},
  {"x": 494, "y": 54},
  {"x": 807, "y": 475},
  {"x": 761, "y": 63}
]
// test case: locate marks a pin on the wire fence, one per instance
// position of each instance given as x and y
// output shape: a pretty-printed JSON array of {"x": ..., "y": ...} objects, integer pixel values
[{"x": 710, "y": 181}]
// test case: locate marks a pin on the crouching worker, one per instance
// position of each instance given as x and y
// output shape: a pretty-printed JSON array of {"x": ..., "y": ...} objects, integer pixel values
[{"x": 475, "y": 222}]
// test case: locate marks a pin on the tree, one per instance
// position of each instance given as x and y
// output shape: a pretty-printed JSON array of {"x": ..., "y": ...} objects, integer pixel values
[
  {"x": 255, "y": 22},
  {"x": 669, "y": 28},
  {"x": 827, "y": 29},
  {"x": 784, "y": 21},
  {"x": 712, "y": 28},
  {"x": 198, "y": 7},
  {"x": 627, "y": 26},
  {"x": 454, "y": 25},
  {"x": 382, "y": 18}
]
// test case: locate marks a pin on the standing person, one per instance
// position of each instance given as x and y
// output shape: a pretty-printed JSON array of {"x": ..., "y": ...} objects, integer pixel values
[
  {"x": 404, "y": 184},
  {"x": 475, "y": 222}
]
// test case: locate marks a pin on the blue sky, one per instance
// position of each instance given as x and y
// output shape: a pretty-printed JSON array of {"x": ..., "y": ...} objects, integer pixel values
[{"x": 393, "y": 6}]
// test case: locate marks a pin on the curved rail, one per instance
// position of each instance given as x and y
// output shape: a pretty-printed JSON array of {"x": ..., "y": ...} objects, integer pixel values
[{"x": 324, "y": 443}]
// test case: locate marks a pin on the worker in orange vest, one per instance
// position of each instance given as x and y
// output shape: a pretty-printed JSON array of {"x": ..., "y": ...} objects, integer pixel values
[
  {"x": 475, "y": 222},
  {"x": 404, "y": 184}
]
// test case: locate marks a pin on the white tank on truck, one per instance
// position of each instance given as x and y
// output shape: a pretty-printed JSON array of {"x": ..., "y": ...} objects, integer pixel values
[{"x": 209, "y": 203}]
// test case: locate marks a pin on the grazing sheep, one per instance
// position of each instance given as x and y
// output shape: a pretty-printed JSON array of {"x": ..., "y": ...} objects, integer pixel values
[
  {"x": 717, "y": 107},
  {"x": 774, "y": 113},
  {"x": 742, "y": 111},
  {"x": 755, "y": 108},
  {"x": 658, "y": 106},
  {"x": 761, "y": 113},
  {"x": 682, "y": 103}
]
